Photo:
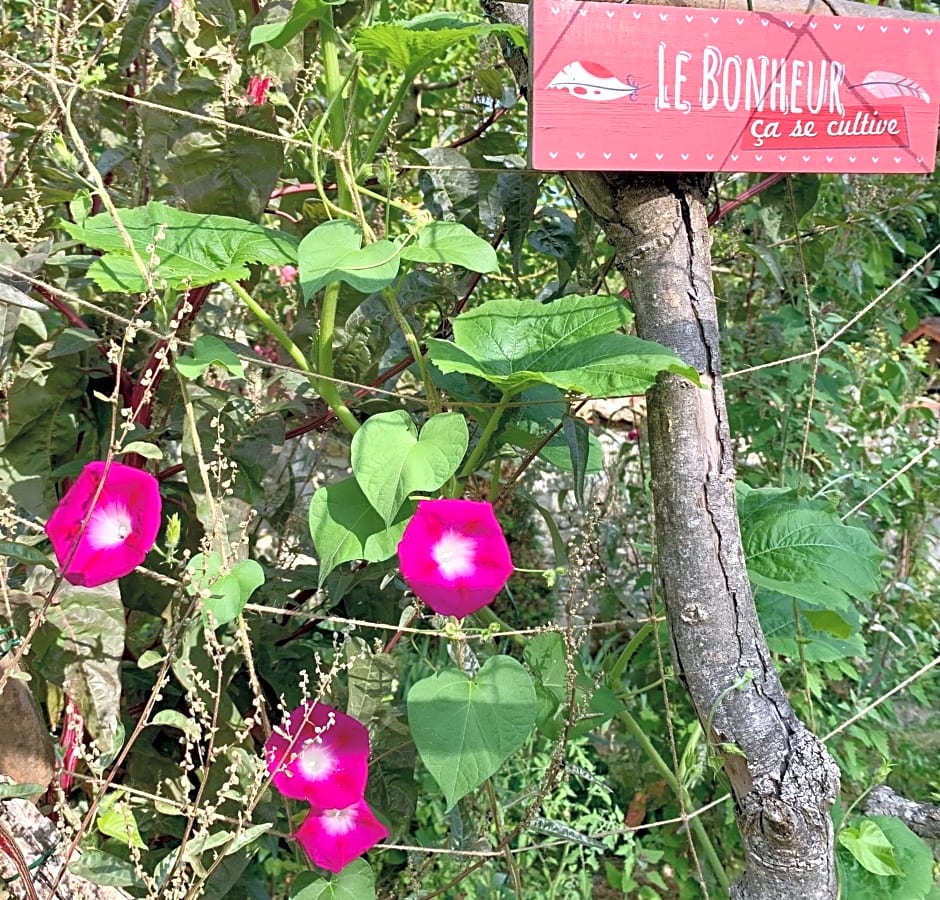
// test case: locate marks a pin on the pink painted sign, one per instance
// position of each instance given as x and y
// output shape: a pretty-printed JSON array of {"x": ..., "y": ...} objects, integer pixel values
[{"x": 659, "y": 88}]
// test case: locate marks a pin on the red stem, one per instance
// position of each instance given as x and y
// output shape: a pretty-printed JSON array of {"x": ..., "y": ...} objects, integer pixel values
[{"x": 721, "y": 211}]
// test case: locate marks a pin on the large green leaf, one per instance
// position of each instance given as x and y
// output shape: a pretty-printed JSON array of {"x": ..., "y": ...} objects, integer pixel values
[
  {"x": 420, "y": 42},
  {"x": 911, "y": 855},
  {"x": 390, "y": 461},
  {"x": 355, "y": 882},
  {"x": 569, "y": 343},
  {"x": 823, "y": 635},
  {"x": 188, "y": 249},
  {"x": 345, "y": 527},
  {"x": 871, "y": 847},
  {"x": 800, "y": 548},
  {"x": 453, "y": 244},
  {"x": 334, "y": 252},
  {"x": 465, "y": 728},
  {"x": 206, "y": 164}
]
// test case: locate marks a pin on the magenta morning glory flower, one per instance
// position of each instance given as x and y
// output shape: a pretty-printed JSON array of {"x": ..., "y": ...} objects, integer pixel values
[
  {"x": 119, "y": 532},
  {"x": 454, "y": 556},
  {"x": 332, "y": 838},
  {"x": 320, "y": 755}
]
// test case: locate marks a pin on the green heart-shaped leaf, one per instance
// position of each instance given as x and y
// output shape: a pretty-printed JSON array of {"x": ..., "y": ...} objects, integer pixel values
[
  {"x": 390, "y": 461},
  {"x": 334, "y": 252},
  {"x": 228, "y": 592},
  {"x": 465, "y": 728},
  {"x": 453, "y": 244},
  {"x": 344, "y": 527}
]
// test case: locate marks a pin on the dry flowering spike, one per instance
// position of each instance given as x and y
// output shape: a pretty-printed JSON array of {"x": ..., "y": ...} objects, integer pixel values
[
  {"x": 454, "y": 556},
  {"x": 320, "y": 755},
  {"x": 333, "y": 838},
  {"x": 120, "y": 531}
]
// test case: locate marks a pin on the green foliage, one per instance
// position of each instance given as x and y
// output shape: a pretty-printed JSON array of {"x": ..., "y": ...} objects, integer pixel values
[
  {"x": 179, "y": 248},
  {"x": 800, "y": 548},
  {"x": 436, "y": 272},
  {"x": 516, "y": 344},
  {"x": 884, "y": 860},
  {"x": 345, "y": 527},
  {"x": 391, "y": 461},
  {"x": 465, "y": 728}
]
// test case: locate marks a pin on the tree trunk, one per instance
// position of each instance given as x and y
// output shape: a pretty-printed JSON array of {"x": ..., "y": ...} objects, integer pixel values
[{"x": 782, "y": 777}]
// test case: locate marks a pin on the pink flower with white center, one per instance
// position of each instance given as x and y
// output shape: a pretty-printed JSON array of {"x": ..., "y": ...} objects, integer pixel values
[
  {"x": 120, "y": 531},
  {"x": 321, "y": 755},
  {"x": 454, "y": 556},
  {"x": 333, "y": 838}
]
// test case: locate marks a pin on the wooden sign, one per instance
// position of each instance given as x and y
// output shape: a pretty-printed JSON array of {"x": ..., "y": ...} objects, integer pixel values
[{"x": 659, "y": 88}]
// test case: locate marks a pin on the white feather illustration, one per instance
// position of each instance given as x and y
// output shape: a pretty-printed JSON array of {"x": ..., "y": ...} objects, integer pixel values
[
  {"x": 591, "y": 81},
  {"x": 888, "y": 85}
]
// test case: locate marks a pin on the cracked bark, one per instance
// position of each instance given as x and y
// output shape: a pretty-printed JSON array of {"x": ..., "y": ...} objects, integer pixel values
[{"x": 782, "y": 777}]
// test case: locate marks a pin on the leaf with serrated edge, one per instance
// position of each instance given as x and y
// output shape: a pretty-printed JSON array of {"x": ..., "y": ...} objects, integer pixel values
[
  {"x": 801, "y": 548},
  {"x": 182, "y": 249},
  {"x": 569, "y": 343}
]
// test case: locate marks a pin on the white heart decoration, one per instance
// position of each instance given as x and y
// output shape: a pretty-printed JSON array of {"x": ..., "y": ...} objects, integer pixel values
[
  {"x": 663, "y": 16},
  {"x": 806, "y": 159},
  {"x": 553, "y": 154},
  {"x": 637, "y": 15},
  {"x": 851, "y": 159},
  {"x": 739, "y": 21},
  {"x": 812, "y": 25},
  {"x": 734, "y": 157},
  {"x": 579, "y": 155},
  {"x": 714, "y": 20},
  {"x": 684, "y": 156},
  {"x": 907, "y": 30},
  {"x": 709, "y": 156},
  {"x": 782, "y": 156},
  {"x": 634, "y": 155},
  {"x": 897, "y": 159},
  {"x": 860, "y": 27},
  {"x": 607, "y": 156},
  {"x": 611, "y": 13},
  {"x": 837, "y": 26},
  {"x": 689, "y": 18},
  {"x": 875, "y": 159},
  {"x": 758, "y": 156},
  {"x": 828, "y": 159},
  {"x": 659, "y": 156},
  {"x": 884, "y": 29}
]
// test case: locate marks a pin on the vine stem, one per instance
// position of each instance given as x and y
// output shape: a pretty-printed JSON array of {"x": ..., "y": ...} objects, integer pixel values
[
  {"x": 327, "y": 388},
  {"x": 325, "y": 385},
  {"x": 500, "y": 835},
  {"x": 283, "y": 338},
  {"x": 670, "y": 778},
  {"x": 383, "y": 126},
  {"x": 471, "y": 465},
  {"x": 414, "y": 345}
]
